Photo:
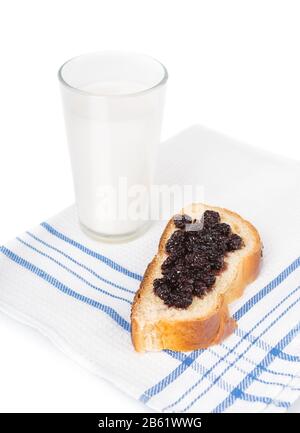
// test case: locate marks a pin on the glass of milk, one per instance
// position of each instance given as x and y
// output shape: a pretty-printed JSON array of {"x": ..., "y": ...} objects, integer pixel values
[{"x": 113, "y": 104}]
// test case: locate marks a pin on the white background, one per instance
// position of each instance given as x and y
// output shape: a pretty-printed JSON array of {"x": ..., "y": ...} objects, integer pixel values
[{"x": 233, "y": 66}]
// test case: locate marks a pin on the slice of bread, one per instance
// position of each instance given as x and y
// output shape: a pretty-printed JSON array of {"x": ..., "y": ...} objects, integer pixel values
[{"x": 155, "y": 326}]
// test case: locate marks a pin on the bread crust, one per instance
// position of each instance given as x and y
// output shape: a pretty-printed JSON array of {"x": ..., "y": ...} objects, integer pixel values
[{"x": 185, "y": 335}]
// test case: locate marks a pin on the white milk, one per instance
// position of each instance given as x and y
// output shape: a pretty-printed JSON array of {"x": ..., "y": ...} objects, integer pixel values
[
  {"x": 113, "y": 88},
  {"x": 111, "y": 138}
]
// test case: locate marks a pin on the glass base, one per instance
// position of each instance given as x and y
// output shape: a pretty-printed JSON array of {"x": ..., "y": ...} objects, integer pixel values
[{"x": 109, "y": 238}]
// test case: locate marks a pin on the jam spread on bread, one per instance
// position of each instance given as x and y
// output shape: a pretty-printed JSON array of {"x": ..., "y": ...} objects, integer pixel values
[{"x": 196, "y": 253}]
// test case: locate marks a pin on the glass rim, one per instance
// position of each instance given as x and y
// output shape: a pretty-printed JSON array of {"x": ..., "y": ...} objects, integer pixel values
[{"x": 122, "y": 95}]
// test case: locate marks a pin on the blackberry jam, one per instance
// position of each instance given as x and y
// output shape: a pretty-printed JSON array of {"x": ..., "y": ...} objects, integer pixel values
[{"x": 196, "y": 255}]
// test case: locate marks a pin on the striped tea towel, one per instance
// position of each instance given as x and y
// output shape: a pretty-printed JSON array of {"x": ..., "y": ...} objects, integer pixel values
[{"x": 78, "y": 292}]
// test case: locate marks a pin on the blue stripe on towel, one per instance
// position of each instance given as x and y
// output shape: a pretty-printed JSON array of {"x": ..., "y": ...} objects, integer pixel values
[
  {"x": 240, "y": 355},
  {"x": 167, "y": 380},
  {"x": 259, "y": 399},
  {"x": 156, "y": 389},
  {"x": 81, "y": 265},
  {"x": 250, "y": 361},
  {"x": 64, "y": 289},
  {"x": 267, "y": 289},
  {"x": 91, "y": 253},
  {"x": 221, "y": 383},
  {"x": 111, "y": 295},
  {"x": 243, "y": 371},
  {"x": 263, "y": 345},
  {"x": 257, "y": 371}
]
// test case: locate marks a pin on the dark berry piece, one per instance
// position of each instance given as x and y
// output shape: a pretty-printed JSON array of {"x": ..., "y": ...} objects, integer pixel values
[
  {"x": 179, "y": 300},
  {"x": 217, "y": 263},
  {"x": 235, "y": 242},
  {"x": 208, "y": 239},
  {"x": 185, "y": 287},
  {"x": 208, "y": 279},
  {"x": 197, "y": 261},
  {"x": 199, "y": 289},
  {"x": 181, "y": 220},
  {"x": 221, "y": 247},
  {"x": 175, "y": 244},
  {"x": 173, "y": 275},
  {"x": 163, "y": 292},
  {"x": 191, "y": 241},
  {"x": 168, "y": 263},
  {"x": 161, "y": 289},
  {"x": 210, "y": 218},
  {"x": 222, "y": 229},
  {"x": 156, "y": 282}
]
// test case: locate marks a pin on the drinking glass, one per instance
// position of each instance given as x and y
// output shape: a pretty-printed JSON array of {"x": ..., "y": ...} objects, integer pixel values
[{"x": 113, "y": 104}]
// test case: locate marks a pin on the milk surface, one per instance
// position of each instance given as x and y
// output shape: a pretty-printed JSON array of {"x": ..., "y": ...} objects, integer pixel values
[{"x": 114, "y": 88}]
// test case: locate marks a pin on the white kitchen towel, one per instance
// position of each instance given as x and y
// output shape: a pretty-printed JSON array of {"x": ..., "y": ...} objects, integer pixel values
[{"x": 78, "y": 292}]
